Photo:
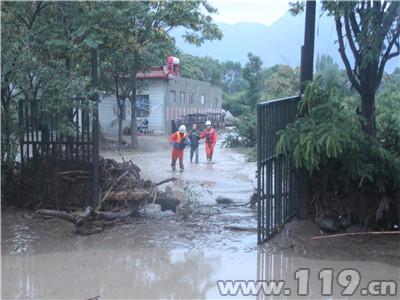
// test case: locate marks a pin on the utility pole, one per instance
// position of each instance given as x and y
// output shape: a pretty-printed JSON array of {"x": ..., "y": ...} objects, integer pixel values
[
  {"x": 307, "y": 50},
  {"x": 306, "y": 74},
  {"x": 96, "y": 181}
]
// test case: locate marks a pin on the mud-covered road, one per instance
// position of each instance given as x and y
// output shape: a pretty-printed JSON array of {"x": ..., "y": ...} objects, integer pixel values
[{"x": 160, "y": 256}]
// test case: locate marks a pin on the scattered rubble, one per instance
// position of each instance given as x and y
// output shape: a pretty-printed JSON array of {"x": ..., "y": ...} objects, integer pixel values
[{"x": 123, "y": 193}]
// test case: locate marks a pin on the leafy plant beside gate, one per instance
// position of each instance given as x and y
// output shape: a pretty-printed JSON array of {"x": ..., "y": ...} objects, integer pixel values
[{"x": 351, "y": 173}]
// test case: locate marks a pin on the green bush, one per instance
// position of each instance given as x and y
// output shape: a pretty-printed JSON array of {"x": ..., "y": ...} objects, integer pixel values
[
  {"x": 342, "y": 161},
  {"x": 246, "y": 126},
  {"x": 388, "y": 120},
  {"x": 235, "y": 103}
]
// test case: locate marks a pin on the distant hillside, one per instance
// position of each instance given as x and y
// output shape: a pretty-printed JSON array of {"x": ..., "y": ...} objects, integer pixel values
[{"x": 278, "y": 43}]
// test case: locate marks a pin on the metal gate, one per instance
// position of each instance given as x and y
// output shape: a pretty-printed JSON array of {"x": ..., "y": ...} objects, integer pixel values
[
  {"x": 54, "y": 144},
  {"x": 276, "y": 183}
]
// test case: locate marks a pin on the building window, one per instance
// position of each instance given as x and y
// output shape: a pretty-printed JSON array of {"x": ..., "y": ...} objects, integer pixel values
[
  {"x": 202, "y": 99},
  {"x": 216, "y": 101},
  {"x": 142, "y": 106},
  {"x": 190, "y": 98},
  {"x": 172, "y": 96},
  {"x": 182, "y": 94}
]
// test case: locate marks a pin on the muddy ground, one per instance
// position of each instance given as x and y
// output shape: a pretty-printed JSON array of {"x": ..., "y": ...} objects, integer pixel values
[{"x": 160, "y": 256}]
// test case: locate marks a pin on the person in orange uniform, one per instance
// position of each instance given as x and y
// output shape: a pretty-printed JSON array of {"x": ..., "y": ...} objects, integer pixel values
[
  {"x": 210, "y": 136},
  {"x": 179, "y": 141}
]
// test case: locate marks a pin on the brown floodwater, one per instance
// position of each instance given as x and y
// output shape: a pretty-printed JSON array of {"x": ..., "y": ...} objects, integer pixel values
[{"x": 160, "y": 256}]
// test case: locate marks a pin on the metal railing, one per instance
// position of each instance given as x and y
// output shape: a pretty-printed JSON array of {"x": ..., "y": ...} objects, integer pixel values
[
  {"x": 58, "y": 143},
  {"x": 276, "y": 183}
]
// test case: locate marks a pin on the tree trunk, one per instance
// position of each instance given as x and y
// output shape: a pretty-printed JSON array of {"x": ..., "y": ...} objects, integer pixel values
[
  {"x": 368, "y": 112},
  {"x": 120, "y": 114},
  {"x": 6, "y": 130},
  {"x": 119, "y": 129},
  {"x": 134, "y": 139},
  {"x": 120, "y": 105}
]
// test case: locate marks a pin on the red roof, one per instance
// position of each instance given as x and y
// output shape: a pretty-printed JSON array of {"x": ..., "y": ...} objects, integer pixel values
[{"x": 154, "y": 73}]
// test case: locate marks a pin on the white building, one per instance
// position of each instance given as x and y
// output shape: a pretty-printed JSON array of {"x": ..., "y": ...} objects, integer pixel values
[{"x": 164, "y": 97}]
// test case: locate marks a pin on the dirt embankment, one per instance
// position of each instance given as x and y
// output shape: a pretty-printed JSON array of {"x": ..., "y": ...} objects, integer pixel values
[{"x": 296, "y": 238}]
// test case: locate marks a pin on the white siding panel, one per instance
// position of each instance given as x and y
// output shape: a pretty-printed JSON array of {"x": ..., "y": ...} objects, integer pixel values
[
  {"x": 156, "y": 92},
  {"x": 107, "y": 115}
]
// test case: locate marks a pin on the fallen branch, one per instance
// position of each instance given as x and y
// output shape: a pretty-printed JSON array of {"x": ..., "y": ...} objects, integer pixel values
[
  {"x": 112, "y": 186},
  {"x": 129, "y": 196},
  {"x": 69, "y": 179},
  {"x": 74, "y": 171},
  {"x": 240, "y": 228},
  {"x": 91, "y": 221},
  {"x": 165, "y": 181},
  {"x": 58, "y": 214},
  {"x": 354, "y": 234}
]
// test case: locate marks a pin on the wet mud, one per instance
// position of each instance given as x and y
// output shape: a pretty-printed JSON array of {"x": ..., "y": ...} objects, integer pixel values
[{"x": 161, "y": 256}]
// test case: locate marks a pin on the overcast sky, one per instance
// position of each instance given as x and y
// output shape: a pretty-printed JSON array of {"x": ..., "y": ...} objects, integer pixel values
[{"x": 255, "y": 11}]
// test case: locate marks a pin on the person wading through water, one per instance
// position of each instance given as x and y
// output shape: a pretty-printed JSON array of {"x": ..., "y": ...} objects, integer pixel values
[
  {"x": 179, "y": 141},
  {"x": 194, "y": 138},
  {"x": 210, "y": 136}
]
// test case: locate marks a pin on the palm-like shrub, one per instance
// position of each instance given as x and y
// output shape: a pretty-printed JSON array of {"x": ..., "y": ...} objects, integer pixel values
[{"x": 350, "y": 171}]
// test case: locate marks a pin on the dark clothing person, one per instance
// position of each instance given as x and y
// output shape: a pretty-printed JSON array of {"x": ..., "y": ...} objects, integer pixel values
[{"x": 194, "y": 138}]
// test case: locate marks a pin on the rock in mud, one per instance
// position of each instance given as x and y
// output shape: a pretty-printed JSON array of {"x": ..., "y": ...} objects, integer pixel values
[
  {"x": 328, "y": 224},
  {"x": 355, "y": 229},
  {"x": 223, "y": 200},
  {"x": 345, "y": 221}
]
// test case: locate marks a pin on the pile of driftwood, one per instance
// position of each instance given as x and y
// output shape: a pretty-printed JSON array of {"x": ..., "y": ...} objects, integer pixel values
[{"x": 123, "y": 192}]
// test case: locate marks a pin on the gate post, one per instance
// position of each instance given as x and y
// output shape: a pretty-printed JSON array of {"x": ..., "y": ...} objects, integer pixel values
[
  {"x": 259, "y": 216},
  {"x": 306, "y": 74},
  {"x": 96, "y": 181},
  {"x": 307, "y": 50}
]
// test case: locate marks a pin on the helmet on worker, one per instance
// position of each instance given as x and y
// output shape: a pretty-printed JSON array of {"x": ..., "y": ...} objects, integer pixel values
[
  {"x": 182, "y": 129},
  {"x": 208, "y": 123}
]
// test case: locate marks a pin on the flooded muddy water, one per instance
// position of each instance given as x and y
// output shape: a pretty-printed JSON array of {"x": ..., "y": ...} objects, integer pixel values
[
  {"x": 160, "y": 273},
  {"x": 160, "y": 256},
  {"x": 229, "y": 174}
]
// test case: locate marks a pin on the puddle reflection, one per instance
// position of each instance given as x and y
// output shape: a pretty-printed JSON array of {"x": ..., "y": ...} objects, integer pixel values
[
  {"x": 109, "y": 274},
  {"x": 157, "y": 273}
]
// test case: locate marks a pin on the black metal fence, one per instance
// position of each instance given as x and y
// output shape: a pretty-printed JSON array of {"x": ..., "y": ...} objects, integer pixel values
[
  {"x": 276, "y": 183},
  {"x": 63, "y": 134},
  {"x": 54, "y": 143}
]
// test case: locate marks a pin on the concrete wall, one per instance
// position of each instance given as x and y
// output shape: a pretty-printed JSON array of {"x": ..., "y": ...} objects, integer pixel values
[
  {"x": 155, "y": 88},
  {"x": 182, "y": 106},
  {"x": 108, "y": 114},
  {"x": 156, "y": 91}
]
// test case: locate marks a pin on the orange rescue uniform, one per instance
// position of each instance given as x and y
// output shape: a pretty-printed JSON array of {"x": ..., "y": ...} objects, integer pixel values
[
  {"x": 179, "y": 142},
  {"x": 210, "y": 136}
]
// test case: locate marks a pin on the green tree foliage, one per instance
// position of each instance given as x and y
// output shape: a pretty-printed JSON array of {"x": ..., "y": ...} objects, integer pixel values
[
  {"x": 227, "y": 75},
  {"x": 368, "y": 36},
  {"x": 41, "y": 62},
  {"x": 232, "y": 78},
  {"x": 280, "y": 81},
  {"x": 201, "y": 68},
  {"x": 329, "y": 72},
  {"x": 46, "y": 49},
  {"x": 235, "y": 103},
  {"x": 150, "y": 22},
  {"x": 252, "y": 73},
  {"x": 388, "y": 112}
]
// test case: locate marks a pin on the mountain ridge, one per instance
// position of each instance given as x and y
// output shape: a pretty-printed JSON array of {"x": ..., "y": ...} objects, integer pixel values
[{"x": 278, "y": 43}]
